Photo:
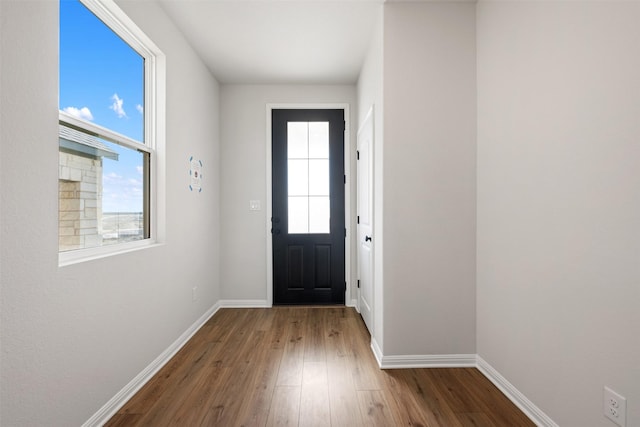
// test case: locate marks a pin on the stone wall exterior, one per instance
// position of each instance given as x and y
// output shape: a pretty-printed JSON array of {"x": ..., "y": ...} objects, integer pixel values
[{"x": 79, "y": 202}]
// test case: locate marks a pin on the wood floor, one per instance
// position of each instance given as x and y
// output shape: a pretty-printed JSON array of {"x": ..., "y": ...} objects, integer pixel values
[{"x": 303, "y": 366}]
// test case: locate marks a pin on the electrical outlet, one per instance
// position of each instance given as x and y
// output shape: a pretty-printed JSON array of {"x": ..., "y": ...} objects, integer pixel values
[
  {"x": 615, "y": 407},
  {"x": 194, "y": 293}
]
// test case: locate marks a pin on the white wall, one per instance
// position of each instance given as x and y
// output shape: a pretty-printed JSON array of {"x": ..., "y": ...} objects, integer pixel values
[
  {"x": 370, "y": 83},
  {"x": 243, "y": 178},
  {"x": 559, "y": 202},
  {"x": 429, "y": 178},
  {"x": 72, "y": 337}
]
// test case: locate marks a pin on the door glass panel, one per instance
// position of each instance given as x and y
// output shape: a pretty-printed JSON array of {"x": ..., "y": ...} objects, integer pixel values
[
  {"x": 319, "y": 140},
  {"x": 298, "y": 177},
  {"x": 319, "y": 215},
  {"x": 297, "y": 140},
  {"x": 319, "y": 177},
  {"x": 308, "y": 177},
  {"x": 298, "y": 215}
]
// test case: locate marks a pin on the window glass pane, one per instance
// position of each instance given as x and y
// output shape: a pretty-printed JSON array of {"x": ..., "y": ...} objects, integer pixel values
[
  {"x": 319, "y": 214},
  {"x": 101, "y": 195},
  {"x": 308, "y": 175},
  {"x": 101, "y": 76},
  {"x": 319, "y": 140},
  {"x": 298, "y": 177},
  {"x": 298, "y": 215},
  {"x": 318, "y": 177},
  {"x": 123, "y": 198},
  {"x": 297, "y": 140}
]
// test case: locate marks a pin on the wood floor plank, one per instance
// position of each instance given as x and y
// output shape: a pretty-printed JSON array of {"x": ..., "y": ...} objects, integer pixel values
[
  {"x": 365, "y": 371},
  {"x": 196, "y": 405},
  {"x": 314, "y": 348},
  {"x": 475, "y": 419},
  {"x": 336, "y": 329},
  {"x": 418, "y": 402},
  {"x": 255, "y": 408},
  {"x": 170, "y": 397},
  {"x": 314, "y": 397},
  {"x": 375, "y": 408},
  {"x": 124, "y": 420},
  {"x": 306, "y": 366},
  {"x": 285, "y": 406},
  {"x": 450, "y": 389},
  {"x": 279, "y": 330},
  {"x": 290, "y": 368},
  {"x": 487, "y": 397},
  {"x": 225, "y": 404},
  {"x": 343, "y": 397}
]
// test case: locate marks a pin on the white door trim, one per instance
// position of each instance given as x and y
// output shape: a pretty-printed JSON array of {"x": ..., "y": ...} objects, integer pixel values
[{"x": 347, "y": 192}]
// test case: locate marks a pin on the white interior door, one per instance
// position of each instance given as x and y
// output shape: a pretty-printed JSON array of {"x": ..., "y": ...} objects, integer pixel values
[{"x": 365, "y": 220}]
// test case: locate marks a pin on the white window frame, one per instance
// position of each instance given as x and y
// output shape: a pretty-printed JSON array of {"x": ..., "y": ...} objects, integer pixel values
[{"x": 154, "y": 130}]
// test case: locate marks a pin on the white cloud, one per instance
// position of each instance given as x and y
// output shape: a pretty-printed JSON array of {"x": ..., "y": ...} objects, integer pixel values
[
  {"x": 139, "y": 169},
  {"x": 121, "y": 193},
  {"x": 117, "y": 106},
  {"x": 81, "y": 113},
  {"x": 140, "y": 108},
  {"x": 111, "y": 178}
]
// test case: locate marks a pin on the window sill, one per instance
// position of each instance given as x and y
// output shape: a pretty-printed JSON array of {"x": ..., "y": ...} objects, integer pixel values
[{"x": 90, "y": 254}]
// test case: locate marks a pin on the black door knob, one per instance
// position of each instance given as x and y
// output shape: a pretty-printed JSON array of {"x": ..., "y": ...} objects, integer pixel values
[{"x": 367, "y": 238}]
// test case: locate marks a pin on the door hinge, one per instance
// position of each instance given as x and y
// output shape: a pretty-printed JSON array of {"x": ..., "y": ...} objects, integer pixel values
[
  {"x": 358, "y": 283},
  {"x": 357, "y": 155},
  {"x": 344, "y": 125},
  {"x": 345, "y": 232},
  {"x": 345, "y": 179},
  {"x": 358, "y": 219}
]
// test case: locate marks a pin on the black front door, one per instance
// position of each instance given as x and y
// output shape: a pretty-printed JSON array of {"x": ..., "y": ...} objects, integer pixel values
[{"x": 308, "y": 206}]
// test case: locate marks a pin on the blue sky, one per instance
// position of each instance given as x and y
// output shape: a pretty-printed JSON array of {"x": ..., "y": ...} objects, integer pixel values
[{"x": 102, "y": 81}]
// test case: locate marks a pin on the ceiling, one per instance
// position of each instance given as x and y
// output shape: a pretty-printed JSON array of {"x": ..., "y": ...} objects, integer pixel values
[{"x": 278, "y": 41}]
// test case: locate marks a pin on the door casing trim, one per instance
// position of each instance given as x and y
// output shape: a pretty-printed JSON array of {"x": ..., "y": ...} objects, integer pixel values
[{"x": 347, "y": 192}]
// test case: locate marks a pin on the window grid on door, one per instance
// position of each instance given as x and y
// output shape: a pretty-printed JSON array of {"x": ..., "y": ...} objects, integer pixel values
[{"x": 308, "y": 190}]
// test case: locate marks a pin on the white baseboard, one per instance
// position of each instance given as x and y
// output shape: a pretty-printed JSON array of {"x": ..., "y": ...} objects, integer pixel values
[
  {"x": 259, "y": 303},
  {"x": 520, "y": 400},
  {"x": 244, "y": 303},
  {"x": 377, "y": 351},
  {"x": 116, "y": 402},
  {"x": 429, "y": 361}
]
